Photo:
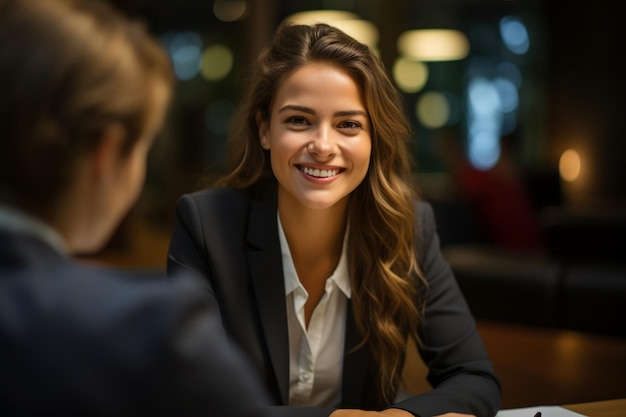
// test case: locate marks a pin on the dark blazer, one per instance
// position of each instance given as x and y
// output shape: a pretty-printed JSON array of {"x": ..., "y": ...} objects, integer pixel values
[
  {"x": 232, "y": 240},
  {"x": 81, "y": 341}
]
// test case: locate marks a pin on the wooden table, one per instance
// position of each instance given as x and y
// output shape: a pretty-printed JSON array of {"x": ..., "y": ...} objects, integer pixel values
[
  {"x": 611, "y": 408},
  {"x": 538, "y": 366},
  {"x": 550, "y": 366}
]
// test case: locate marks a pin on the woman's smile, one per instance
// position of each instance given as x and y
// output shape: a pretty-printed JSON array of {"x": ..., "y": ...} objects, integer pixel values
[{"x": 319, "y": 172}]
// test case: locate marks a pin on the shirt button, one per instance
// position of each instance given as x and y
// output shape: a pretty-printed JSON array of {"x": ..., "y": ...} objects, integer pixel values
[{"x": 305, "y": 377}]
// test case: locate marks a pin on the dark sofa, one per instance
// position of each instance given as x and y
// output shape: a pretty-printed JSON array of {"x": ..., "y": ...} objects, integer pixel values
[{"x": 577, "y": 283}]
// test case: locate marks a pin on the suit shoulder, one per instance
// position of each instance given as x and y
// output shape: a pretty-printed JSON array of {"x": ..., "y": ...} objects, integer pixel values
[
  {"x": 138, "y": 287},
  {"x": 215, "y": 200},
  {"x": 220, "y": 195},
  {"x": 424, "y": 214},
  {"x": 214, "y": 211},
  {"x": 425, "y": 229},
  {"x": 95, "y": 302}
]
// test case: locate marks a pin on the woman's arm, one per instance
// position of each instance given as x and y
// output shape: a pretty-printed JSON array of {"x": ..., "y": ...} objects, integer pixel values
[
  {"x": 187, "y": 247},
  {"x": 460, "y": 371}
]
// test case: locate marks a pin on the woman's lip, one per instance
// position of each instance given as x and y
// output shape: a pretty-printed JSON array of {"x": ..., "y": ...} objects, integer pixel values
[
  {"x": 319, "y": 172},
  {"x": 314, "y": 166}
]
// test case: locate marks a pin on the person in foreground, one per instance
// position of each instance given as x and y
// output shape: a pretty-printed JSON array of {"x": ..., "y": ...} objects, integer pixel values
[
  {"x": 319, "y": 257},
  {"x": 83, "y": 94}
]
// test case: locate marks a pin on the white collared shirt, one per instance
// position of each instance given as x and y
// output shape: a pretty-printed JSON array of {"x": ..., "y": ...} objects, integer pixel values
[
  {"x": 17, "y": 221},
  {"x": 316, "y": 353}
]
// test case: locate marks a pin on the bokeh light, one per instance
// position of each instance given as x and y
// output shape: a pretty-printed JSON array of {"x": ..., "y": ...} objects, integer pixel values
[
  {"x": 348, "y": 22},
  {"x": 570, "y": 165},
  {"x": 484, "y": 149},
  {"x": 514, "y": 35},
  {"x": 508, "y": 97},
  {"x": 483, "y": 96},
  {"x": 217, "y": 62},
  {"x": 410, "y": 75},
  {"x": 433, "y": 44},
  {"x": 185, "y": 49},
  {"x": 510, "y": 71},
  {"x": 484, "y": 122},
  {"x": 230, "y": 10},
  {"x": 433, "y": 110}
]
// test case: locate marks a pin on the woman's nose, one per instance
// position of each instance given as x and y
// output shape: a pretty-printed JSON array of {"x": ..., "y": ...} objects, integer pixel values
[{"x": 323, "y": 144}]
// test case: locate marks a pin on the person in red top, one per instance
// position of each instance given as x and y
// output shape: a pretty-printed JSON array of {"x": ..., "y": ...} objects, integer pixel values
[{"x": 498, "y": 196}]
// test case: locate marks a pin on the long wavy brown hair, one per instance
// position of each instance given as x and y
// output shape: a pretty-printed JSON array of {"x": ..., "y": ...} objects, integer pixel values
[{"x": 385, "y": 277}]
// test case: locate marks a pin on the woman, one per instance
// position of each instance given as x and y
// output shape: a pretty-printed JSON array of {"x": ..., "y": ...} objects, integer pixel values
[
  {"x": 320, "y": 260},
  {"x": 83, "y": 93}
]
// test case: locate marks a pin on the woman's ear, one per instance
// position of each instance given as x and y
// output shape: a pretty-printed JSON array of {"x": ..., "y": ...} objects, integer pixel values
[{"x": 263, "y": 131}]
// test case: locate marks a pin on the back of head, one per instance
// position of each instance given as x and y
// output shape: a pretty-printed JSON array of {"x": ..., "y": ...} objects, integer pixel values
[{"x": 68, "y": 69}]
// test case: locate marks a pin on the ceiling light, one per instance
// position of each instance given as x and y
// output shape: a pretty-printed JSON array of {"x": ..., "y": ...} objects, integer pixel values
[
  {"x": 348, "y": 22},
  {"x": 433, "y": 44}
]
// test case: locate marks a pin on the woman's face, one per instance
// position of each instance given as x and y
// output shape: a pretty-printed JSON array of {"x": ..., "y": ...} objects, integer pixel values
[{"x": 319, "y": 136}]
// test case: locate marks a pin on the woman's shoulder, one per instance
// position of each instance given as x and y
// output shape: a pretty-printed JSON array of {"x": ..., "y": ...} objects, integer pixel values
[
  {"x": 223, "y": 210},
  {"x": 213, "y": 203},
  {"x": 214, "y": 199},
  {"x": 423, "y": 214},
  {"x": 425, "y": 229},
  {"x": 230, "y": 195},
  {"x": 215, "y": 194}
]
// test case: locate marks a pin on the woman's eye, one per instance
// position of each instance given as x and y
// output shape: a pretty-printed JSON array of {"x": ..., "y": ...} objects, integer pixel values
[
  {"x": 350, "y": 124},
  {"x": 297, "y": 120}
]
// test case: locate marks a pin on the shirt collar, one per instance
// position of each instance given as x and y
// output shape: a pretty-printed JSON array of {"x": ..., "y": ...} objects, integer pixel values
[
  {"x": 16, "y": 221},
  {"x": 340, "y": 276}
]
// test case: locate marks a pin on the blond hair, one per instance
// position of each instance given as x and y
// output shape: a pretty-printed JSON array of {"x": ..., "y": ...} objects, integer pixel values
[{"x": 68, "y": 69}]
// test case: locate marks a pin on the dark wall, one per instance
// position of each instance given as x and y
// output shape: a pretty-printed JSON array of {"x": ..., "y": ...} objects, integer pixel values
[{"x": 587, "y": 87}]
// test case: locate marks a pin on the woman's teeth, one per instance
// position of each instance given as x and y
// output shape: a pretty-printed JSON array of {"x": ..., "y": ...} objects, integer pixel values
[{"x": 320, "y": 173}]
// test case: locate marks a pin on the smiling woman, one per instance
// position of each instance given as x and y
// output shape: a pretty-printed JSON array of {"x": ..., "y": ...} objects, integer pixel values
[{"x": 320, "y": 258}]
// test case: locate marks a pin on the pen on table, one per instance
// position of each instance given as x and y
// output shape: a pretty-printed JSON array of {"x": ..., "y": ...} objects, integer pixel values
[{"x": 537, "y": 414}]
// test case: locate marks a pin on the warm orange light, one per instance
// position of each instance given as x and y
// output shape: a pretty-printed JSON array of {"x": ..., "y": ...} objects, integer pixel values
[{"x": 569, "y": 165}]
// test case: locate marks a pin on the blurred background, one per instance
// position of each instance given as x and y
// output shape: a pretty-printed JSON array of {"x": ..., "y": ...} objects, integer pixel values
[
  {"x": 548, "y": 75},
  {"x": 519, "y": 142}
]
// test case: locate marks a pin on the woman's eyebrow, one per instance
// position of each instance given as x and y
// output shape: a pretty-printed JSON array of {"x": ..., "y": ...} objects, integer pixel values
[
  {"x": 351, "y": 113},
  {"x": 308, "y": 110},
  {"x": 295, "y": 107}
]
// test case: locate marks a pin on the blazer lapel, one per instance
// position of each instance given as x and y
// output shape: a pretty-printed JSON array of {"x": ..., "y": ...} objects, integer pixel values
[{"x": 266, "y": 270}]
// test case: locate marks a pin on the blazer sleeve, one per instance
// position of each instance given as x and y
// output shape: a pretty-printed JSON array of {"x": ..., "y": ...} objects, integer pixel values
[
  {"x": 460, "y": 370},
  {"x": 188, "y": 258},
  {"x": 186, "y": 253},
  {"x": 204, "y": 371}
]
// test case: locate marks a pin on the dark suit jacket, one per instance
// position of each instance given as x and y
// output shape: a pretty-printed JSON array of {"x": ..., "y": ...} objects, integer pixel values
[
  {"x": 81, "y": 341},
  {"x": 232, "y": 239}
]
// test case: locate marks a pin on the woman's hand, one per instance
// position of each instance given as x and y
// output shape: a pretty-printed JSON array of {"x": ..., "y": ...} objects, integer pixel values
[
  {"x": 455, "y": 415},
  {"x": 390, "y": 412},
  {"x": 396, "y": 412}
]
